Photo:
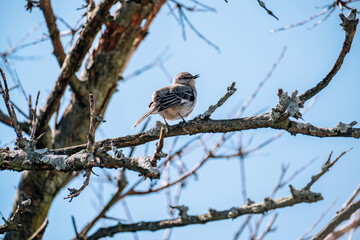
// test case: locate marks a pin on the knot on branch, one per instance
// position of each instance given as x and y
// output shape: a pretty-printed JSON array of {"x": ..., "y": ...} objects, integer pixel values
[
  {"x": 10, "y": 223},
  {"x": 57, "y": 161},
  {"x": 233, "y": 213},
  {"x": 349, "y": 22},
  {"x": 288, "y": 106},
  {"x": 249, "y": 202},
  {"x": 156, "y": 129},
  {"x": 213, "y": 212},
  {"x": 146, "y": 163},
  {"x": 23, "y": 143},
  {"x": 269, "y": 203},
  {"x": 117, "y": 153},
  {"x": 182, "y": 211},
  {"x": 343, "y": 127},
  {"x": 305, "y": 195}
]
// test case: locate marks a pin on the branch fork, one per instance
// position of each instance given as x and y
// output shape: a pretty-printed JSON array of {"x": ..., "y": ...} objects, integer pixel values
[{"x": 288, "y": 106}]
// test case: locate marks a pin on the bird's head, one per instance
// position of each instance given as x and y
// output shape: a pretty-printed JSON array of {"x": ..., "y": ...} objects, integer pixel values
[{"x": 185, "y": 78}]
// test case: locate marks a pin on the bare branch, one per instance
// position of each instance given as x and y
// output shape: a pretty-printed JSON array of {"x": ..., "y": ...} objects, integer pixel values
[
  {"x": 201, "y": 36},
  {"x": 346, "y": 228},
  {"x": 75, "y": 228},
  {"x": 226, "y": 125},
  {"x": 306, "y": 233},
  {"x": 7, "y": 120},
  {"x": 93, "y": 121},
  {"x": 261, "y": 84},
  {"x": 303, "y": 22},
  {"x": 45, "y": 6},
  {"x": 230, "y": 91},
  {"x": 76, "y": 192},
  {"x": 34, "y": 120},
  {"x": 6, "y": 97},
  {"x": 158, "y": 152},
  {"x": 351, "y": 198},
  {"x": 10, "y": 224},
  {"x": 349, "y": 25},
  {"x": 74, "y": 59},
  {"x": 121, "y": 184},
  {"x": 213, "y": 215},
  {"x": 40, "y": 231},
  {"x": 339, "y": 218},
  {"x": 269, "y": 228},
  {"x": 20, "y": 160},
  {"x": 262, "y": 4},
  {"x": 326, "y": 166}
]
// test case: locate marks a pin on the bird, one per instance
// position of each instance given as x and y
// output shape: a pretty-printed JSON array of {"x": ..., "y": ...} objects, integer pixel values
[{"x": 174, "y": 102}]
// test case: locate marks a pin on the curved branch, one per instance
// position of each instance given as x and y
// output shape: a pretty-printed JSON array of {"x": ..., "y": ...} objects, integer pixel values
[{"x": 349, "y": 25}]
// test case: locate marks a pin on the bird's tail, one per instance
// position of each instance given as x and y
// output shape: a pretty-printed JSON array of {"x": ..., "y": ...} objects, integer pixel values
[{"x": 150, "y": 111}]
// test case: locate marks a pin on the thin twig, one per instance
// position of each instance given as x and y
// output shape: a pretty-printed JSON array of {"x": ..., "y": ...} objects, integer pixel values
[
  {"x": 261, "y": 84},
  {"x": 34, "y": 118},
  {"x": 262, "y": 4},
  {"x": 311, "y": 228},
  {"x": 230, "y": 91},
  {"x": 38, "y": 234},
  {"x": 269, "y": 227},
  {"x": 75, "y": 228},
  {"x": 76, "y": 192},
  {"x": 158, "y": 152},
  {"x": 93, "y": 121},
  {"x": 351, "y": 198},
  {"x": 326, "y": 166},
  {"x": 10, "y": 108},
  {"x": 302, "y": 22}
]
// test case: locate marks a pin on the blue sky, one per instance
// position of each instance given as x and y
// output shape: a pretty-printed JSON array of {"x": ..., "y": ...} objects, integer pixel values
[{"x": 248, "y": 50}]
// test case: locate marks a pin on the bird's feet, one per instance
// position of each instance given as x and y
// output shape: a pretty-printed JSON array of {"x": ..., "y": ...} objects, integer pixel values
[{"x": 183, "y": 120}]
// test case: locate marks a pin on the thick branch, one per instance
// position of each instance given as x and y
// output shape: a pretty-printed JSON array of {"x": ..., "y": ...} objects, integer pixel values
[
  {"x": 7, "y": 121},
  {"x": 76, "y": 85},
  {"x": 349, "y": 25},
  {"x": 20, "y": 160},
  {"x": 339, "y": 218},
  {"x": 54, "y": 33},
  {"x": 346, "y": 228},
  {"x": 213, "y": 215},
  {"x": 74, "y": 59},
  {"x": 219, "y": 126}
]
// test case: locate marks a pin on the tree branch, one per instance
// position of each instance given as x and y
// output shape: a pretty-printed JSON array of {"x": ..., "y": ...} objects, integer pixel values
[
  {"x": 10, "y": 223},
  {"x": 54, "y": 33},
  {"x": 76, "y": 85},
  {"x": 345, "y": 229},
  {"x": 74, "y": 59},
  {"x": 349, "y": 24},
  {"x": 339, "y": 218},
  {"x": 213, "y": 215},
  {"x": 20, "y": 160},
  {"x": 220, "y": 126}
]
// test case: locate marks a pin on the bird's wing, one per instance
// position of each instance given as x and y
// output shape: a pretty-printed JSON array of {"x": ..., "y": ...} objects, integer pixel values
[{"x": 175, "y": 97}]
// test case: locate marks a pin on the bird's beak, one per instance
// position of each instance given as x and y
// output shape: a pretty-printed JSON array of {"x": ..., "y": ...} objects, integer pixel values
[{"x": 196, "y": 76}]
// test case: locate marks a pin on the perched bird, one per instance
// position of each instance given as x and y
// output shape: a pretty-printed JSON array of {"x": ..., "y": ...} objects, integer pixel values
[{"x": 173, "y": 102}]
